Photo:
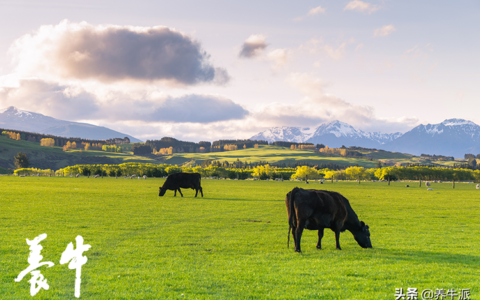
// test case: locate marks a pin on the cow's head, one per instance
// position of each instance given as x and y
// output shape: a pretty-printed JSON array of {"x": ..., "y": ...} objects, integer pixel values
[
  {"x": 363, "y": 236},
  {"x": 161, "y": 191}
]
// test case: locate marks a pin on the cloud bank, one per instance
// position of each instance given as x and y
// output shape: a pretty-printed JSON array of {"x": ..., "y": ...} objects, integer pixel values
[
  {"x": 318, "y": 107},
  {"x": 77, "y": 104},
  {"x": 109, "y": 53}
]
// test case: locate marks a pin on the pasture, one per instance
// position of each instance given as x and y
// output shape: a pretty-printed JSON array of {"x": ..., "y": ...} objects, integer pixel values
[{"x": 232, "y": 244}]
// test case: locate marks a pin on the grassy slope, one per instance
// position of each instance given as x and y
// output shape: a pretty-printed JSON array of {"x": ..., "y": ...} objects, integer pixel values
[
  {"x": 232, "y": 243},
  {"x": 272, "y": 154},
  {"x": 56, "y": 158}
]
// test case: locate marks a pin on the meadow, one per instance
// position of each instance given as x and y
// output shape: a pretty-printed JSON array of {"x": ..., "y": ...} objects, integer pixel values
[{"x": 232, "y": 244}]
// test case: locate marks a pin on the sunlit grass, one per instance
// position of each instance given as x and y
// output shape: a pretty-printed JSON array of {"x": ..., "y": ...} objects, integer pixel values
[{"x": 231, "y": 244}]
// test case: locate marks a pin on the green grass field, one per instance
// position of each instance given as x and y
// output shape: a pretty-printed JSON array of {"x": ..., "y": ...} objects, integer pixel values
[{"x": 232, "y": 244}]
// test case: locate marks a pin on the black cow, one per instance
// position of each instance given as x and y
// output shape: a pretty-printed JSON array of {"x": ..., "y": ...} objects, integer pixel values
[
  {"x": 182, "y": 180},
  {"x": 317, "y": 210}
]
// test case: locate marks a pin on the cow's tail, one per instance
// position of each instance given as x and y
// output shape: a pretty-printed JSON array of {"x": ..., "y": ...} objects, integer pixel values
[
  {"x": 288, "y": 240},
  {"x": 291, "y": 214}
]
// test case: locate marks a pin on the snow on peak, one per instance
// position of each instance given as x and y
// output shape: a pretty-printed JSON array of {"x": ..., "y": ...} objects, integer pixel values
[
  {"x": 339, "y": 129},
  {"x": 457, "y": 122},
  {"x": 12, "y": 110}
]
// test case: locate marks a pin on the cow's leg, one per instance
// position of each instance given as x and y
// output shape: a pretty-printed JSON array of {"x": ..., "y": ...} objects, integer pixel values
[
  {"x": 294, "y": 236},
  {"x": 175, "y": 195},
  {"x": 320, "y": 236},
  {"x": 337, "y": 239},
  {"x": 196, "y": 193},
  {"x": 298, "y": 235},
  {"x": 201, "y": 191},
  {"x": 180, "y": 192}
]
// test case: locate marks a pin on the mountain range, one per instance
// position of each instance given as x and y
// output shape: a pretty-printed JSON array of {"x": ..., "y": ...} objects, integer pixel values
[
  {"x": 14, "y": 118},
  {"x": 452, "y": 137}
]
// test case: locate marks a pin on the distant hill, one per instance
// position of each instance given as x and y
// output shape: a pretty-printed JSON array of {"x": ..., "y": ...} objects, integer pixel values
[{"x": 14, "y": 118}]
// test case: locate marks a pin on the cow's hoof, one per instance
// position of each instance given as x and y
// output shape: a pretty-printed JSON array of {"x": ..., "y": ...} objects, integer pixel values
[
  {"x": 319, "y": 247},
  {"x": 298, "y": 251}
]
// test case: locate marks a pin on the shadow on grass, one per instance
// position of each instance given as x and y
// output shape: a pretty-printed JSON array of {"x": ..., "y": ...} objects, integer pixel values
[{"x": 430, "y": 257}]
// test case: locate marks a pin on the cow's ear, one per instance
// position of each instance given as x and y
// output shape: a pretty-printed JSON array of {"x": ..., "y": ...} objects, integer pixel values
[{"x": 362, "y": 224}]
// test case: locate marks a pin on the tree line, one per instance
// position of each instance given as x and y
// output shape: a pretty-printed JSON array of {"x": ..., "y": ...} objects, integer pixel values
[
  {"x": 37, "y": 137},
  {"x": 267, "y": 171}
]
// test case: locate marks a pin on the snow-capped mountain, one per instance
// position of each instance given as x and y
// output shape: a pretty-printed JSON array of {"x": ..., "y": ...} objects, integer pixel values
[
  {"x": 17, "y": 119},
  {"x": 333, "y": 134},
  {"x": 284, "y": 133},
  {"x": 452, "y": 137},
  {"x": 336, "y": 133},
  {"x": 14, "y": 118}
]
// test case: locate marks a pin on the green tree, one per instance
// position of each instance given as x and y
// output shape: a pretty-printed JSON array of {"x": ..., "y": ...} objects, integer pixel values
[
  {"x": 21, "y": 160},
  {"x": 472, "y": 163}
]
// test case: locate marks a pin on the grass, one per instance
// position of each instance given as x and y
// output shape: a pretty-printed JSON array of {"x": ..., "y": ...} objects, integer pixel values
[{"x": 231, "y": 244}]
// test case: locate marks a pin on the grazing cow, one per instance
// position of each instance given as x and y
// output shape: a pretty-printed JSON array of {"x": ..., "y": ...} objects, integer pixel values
[
  {"x": 182, "y": 180},
  {"x": 317, "y": 210},
  {"x": 427, "y": 184}
]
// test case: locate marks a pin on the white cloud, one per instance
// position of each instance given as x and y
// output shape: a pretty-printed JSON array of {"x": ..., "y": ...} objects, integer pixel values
[
  {"x": 110, "y": 53},
  {"x": 316, "y": 10},
  {"x": 279, "y": 57},
  {"x": 253, "y": 46},
  {"x": 312, "y": 12},
  {"x": 384, "y": 31},
  {"x": 361, "y": 6}
]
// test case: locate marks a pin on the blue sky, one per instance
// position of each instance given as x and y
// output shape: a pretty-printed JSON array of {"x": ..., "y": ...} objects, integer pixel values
[{"x": 378, "y": 65}]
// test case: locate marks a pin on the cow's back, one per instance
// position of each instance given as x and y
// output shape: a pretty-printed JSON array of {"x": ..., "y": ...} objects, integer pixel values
[
  {"x": 183, "y": 180},
  {"x": 351, "y": 217}
]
